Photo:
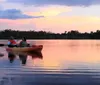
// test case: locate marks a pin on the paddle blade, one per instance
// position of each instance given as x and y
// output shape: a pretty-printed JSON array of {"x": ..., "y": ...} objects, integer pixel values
[
  {"x": 1, "y": 54},
  {"x": 3, "y": 45}
]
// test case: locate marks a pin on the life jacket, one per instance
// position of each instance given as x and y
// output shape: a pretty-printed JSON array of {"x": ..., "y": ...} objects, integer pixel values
[{"x": 13, "y": 42}]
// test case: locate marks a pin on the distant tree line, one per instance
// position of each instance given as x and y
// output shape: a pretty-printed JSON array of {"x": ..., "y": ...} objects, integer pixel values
[{"x": 73, "y": 34}]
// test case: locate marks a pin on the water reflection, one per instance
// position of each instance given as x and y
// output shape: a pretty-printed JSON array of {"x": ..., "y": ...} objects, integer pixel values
[
  {"x": 1, "y": 54},
  {"x": 23, "y": 56},
  {"x": 11, "y": 57},
  {"x": 64, "y": 63}
]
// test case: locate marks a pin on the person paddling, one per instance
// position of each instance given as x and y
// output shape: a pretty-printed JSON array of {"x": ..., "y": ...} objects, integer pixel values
[
  {"x": 23, "y": 43},
  {"x": 12, "y": 42}
]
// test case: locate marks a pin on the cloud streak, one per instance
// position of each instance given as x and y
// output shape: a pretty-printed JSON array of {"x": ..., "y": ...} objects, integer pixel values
[
  {"x": 57, "y": 2},
  {"x": 15, "y": 14}
]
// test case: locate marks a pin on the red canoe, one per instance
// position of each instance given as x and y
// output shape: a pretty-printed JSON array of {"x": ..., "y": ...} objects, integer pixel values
[{"x": 36, "y": 48}]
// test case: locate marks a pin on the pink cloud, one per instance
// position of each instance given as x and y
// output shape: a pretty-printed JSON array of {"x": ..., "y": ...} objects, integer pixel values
[{"x": 54, "y": 24}]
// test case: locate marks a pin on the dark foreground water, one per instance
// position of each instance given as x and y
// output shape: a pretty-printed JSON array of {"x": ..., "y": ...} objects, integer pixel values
[{"x": 61, "y": 62}]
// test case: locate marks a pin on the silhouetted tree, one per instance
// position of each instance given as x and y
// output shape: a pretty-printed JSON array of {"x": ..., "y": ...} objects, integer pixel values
[{"x": 73, "y": 34}]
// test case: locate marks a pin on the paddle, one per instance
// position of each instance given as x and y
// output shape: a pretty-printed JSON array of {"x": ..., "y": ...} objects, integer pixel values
[
  {"x": 3, "y": 45},
  {"x": 1, "y": 54}
]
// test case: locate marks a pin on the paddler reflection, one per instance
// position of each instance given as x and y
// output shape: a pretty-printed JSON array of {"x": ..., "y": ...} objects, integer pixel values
[
  {"x": 23, "y": 56},
  {"x": 34, "y": 55},
  {"x": 11, "y": 57}
]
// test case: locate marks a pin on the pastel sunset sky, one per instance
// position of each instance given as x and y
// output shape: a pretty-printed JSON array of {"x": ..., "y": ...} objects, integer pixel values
[{"x": 50, "y": 15}]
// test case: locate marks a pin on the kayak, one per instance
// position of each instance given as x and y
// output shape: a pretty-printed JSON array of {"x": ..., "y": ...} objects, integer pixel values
[{"x": 35, "y": 48}]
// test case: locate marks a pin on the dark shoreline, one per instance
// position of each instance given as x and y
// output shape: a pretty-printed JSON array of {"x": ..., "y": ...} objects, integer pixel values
[{"x": 41, "y": 35}]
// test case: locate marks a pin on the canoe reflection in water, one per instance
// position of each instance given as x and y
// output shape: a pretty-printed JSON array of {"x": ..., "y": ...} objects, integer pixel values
[{"x": 23, "y": 56}]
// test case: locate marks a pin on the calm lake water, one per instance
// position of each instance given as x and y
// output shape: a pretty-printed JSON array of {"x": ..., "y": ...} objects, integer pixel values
[{"x": 61, "y": 62}]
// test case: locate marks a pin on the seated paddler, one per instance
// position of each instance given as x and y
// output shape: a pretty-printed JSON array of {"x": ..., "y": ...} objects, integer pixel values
[
  {"x": 12, "y": 42},
  {"x": 23, "y": 43}
]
